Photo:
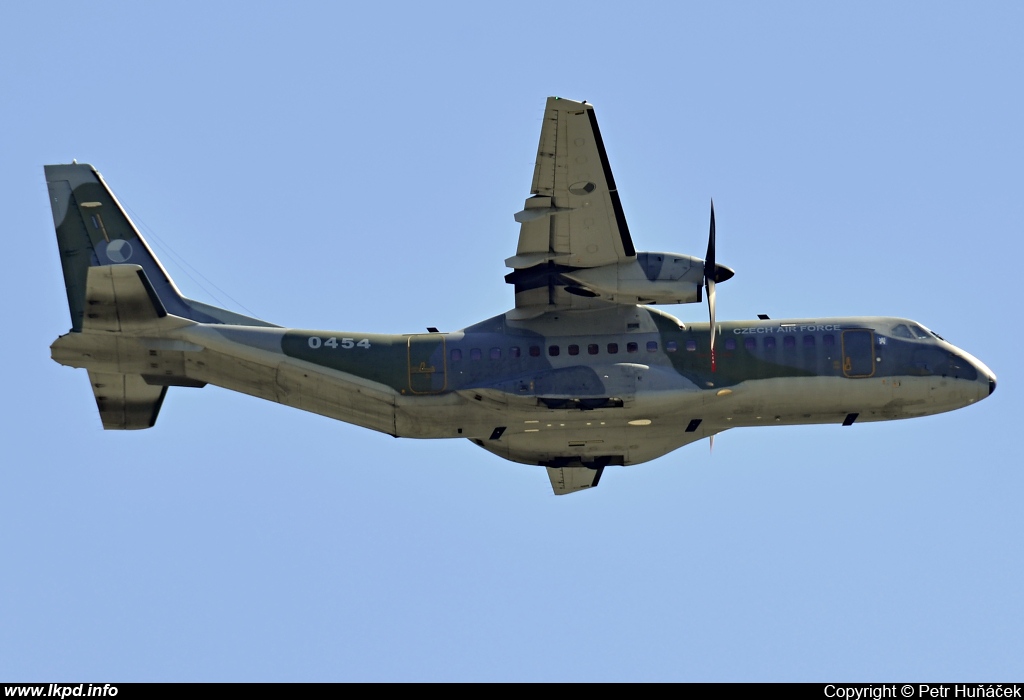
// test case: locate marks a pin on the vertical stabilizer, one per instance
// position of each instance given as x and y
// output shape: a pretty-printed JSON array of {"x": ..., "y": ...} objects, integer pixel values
[{"x": 93, "y": 230}]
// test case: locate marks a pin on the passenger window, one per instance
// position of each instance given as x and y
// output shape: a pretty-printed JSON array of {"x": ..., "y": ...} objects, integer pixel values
[
  {"x": 789, "y": 341},
  {"x": 730, "y": 343},
  {"x": 456, "y": 355},
  {"x": 553, "y": 350},
  {"x": 574, "y": 349},
  {"x": 652, "y": 346},
  {"x": 691, "y": 345},
  {"x": 632, "y": 347},
  {"x": 495, "y": 353},
  {"x": 671, "y": 346},
  {"x": 592, "y": 349},
  {"x": 769, "y": 343},
  {"x": 613, "y": 348},
  {"x": 475, "y": 354},
  {"x": 808, "y": 341},
  {"x": 513, "y": 351},
  {"x": 534, "y": 351},
  {"x": 750, "y": 343}
]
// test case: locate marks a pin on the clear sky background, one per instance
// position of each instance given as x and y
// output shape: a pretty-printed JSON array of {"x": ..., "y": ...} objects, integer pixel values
[{"x": 356, "y": 167}]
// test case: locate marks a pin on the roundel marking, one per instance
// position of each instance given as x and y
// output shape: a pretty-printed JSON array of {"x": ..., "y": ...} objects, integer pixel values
[{"x": 119, "y": 251}]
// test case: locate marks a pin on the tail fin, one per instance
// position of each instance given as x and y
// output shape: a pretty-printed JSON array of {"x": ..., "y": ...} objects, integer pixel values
[{"x": 94, "y": 230}]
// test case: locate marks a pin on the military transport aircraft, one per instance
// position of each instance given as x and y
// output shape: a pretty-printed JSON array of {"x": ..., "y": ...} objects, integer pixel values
[{"x": 580, "y": 375}]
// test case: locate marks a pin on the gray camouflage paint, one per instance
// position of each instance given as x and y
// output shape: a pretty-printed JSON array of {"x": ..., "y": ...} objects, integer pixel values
[{"x": 532, "y": 386}]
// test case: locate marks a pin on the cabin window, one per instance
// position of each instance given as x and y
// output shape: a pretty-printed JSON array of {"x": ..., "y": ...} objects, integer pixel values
[
  {"x": 730, "y": 343},
  {"x": 652, "y": 346},
  {"x": 671, "y": 346},
  {"x": 808, "y": 341},
  {"x": 789, "y": 341},
  {"x": 750, "y": 343},
  {"x": 495, "y": 353},
  {"x": 769, "y": 343},
  {"x": 534, "y": 351},
  {"x": 828, "y": 340},
  {"x": 553, "y": 350},
  {"x": 613, "y": 348},
  {"x": 456, "y": 355},
  {"x": 691, "y": 345},
  {"x": 574, "y": 349},
  {"x": 632, "y": 347},
  {"x": 475, "y": 354},
  {"x": 593, "y": 349},
  {"x": 513, "y": 351}
]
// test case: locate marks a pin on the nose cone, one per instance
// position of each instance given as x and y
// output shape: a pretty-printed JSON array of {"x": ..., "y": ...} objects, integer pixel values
[{"x": 985, "y": 375}]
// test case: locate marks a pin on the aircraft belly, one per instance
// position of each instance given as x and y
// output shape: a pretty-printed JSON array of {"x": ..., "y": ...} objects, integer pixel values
[
  {"x": 334, "y": 397},
  {"x": 649, "y": 427},
  {"x": 620, "y": 444},
  {"x": 806, "y": 400}
]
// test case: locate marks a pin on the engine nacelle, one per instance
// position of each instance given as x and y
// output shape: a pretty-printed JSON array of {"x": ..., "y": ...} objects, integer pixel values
[{"x": 650, "y": 278}]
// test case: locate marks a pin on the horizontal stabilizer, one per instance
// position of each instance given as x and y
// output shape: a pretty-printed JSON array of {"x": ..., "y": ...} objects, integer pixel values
[
  {"x": 119, "y": 298},
  {"x": 126, "y": 401}
]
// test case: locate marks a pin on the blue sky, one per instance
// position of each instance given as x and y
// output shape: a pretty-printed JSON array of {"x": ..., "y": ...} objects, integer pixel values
[{"x": 357, "y": 168}]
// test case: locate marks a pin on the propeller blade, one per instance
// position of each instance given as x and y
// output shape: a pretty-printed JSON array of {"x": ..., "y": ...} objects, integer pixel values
[
  {"x": 711, "y": 311},
  {"x": 709, "y": 259},
  {"x": 709, "y": 281}
]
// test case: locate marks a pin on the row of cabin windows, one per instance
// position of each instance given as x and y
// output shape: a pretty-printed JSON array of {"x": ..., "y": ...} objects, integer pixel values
[
  {"x": 768, "y": 342},
  {"x": 556, "y": 350}
]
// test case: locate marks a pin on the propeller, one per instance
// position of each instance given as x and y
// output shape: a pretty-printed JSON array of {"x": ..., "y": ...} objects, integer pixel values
[
  {"x": 713, "y": 273},
  {"x": 709, "y": 281}
]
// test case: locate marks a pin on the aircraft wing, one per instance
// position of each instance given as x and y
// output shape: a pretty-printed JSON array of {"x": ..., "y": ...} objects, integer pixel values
[
  {"x": 569, "y": 479},
  {"x": 574, "y": 218}
]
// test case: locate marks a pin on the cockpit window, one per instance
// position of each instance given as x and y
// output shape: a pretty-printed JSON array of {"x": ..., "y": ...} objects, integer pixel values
[
  {"x": 901, "y": 331},
  {"x": 919, "y": 332}
]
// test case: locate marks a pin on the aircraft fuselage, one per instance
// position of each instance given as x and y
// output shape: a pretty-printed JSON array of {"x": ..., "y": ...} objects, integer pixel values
[
  {"x": 620, "y": 386},
  {"x": 583, "y": 373}
]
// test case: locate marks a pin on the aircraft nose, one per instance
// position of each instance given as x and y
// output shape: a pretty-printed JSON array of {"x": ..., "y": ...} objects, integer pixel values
[{"x": 985, "y": 373}]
